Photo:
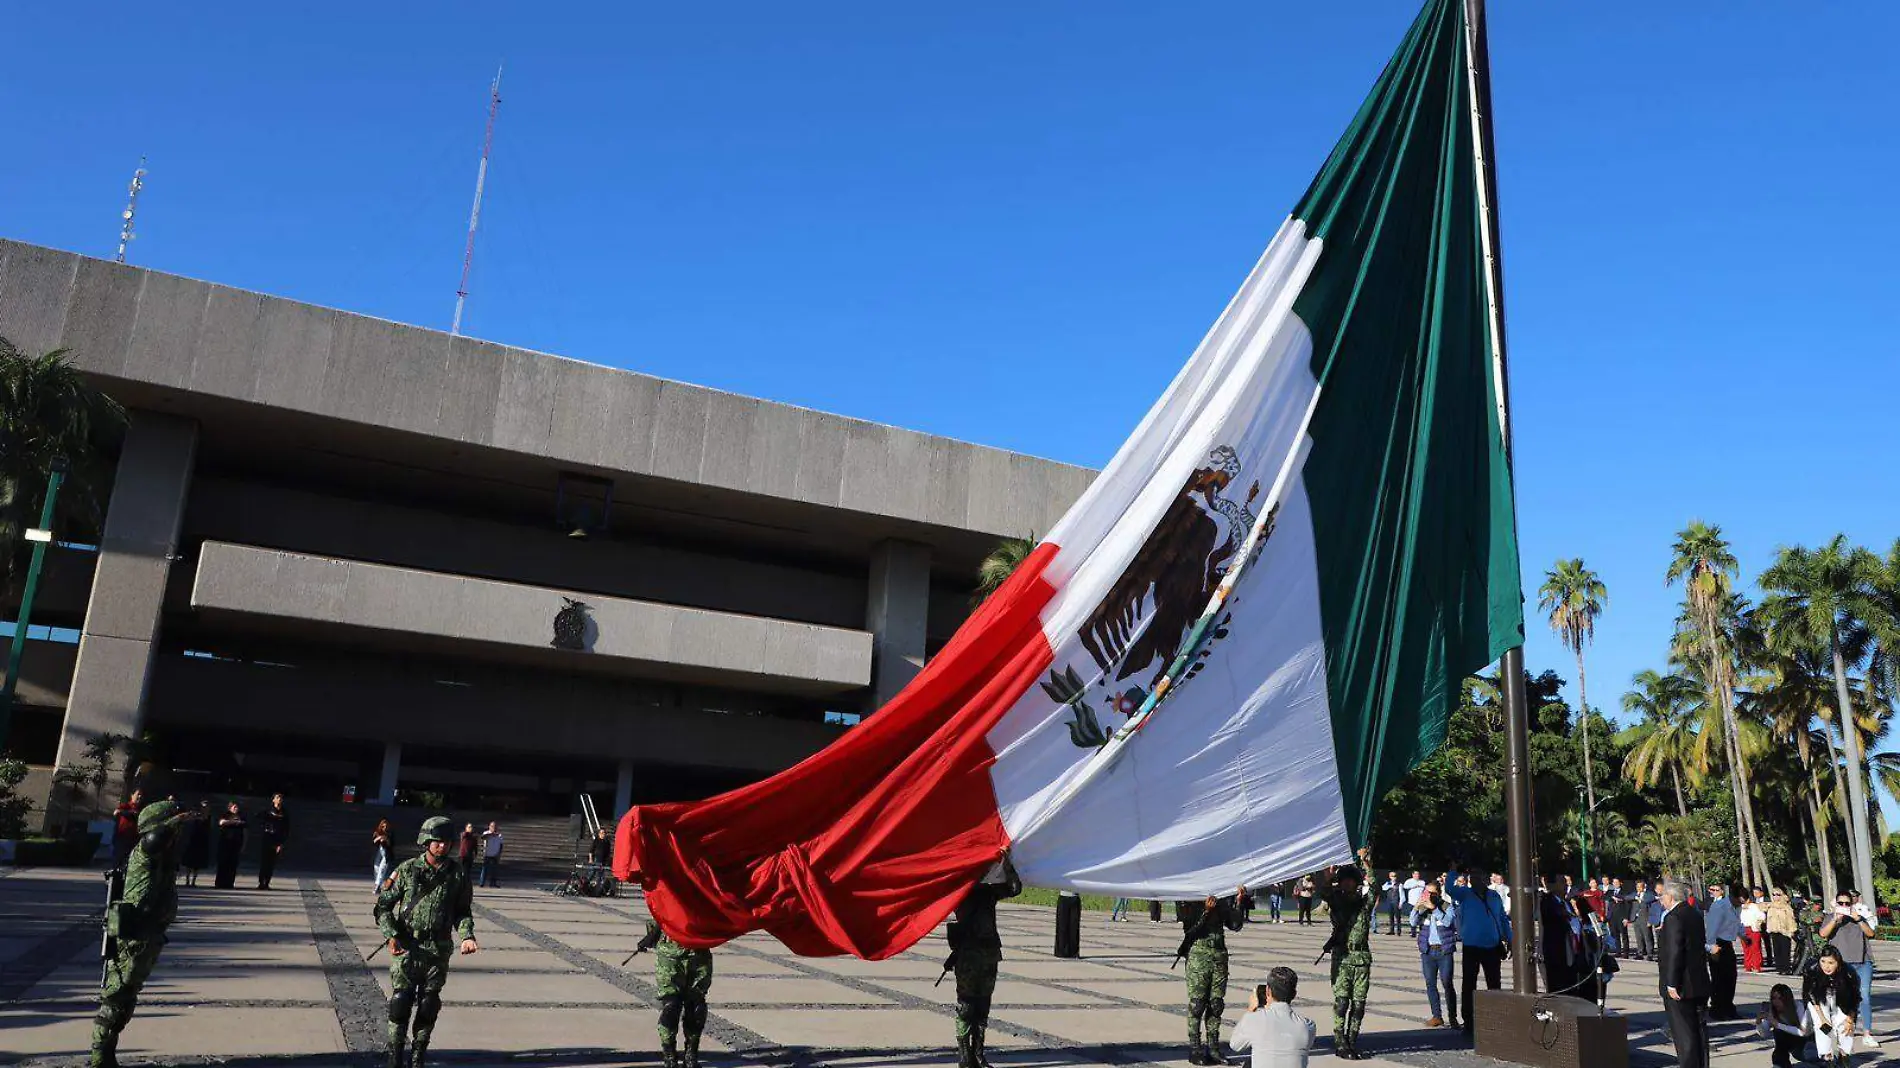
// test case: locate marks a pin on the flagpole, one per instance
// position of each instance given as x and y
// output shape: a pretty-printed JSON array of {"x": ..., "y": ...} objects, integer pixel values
[{"x": 1519, "y": 825}]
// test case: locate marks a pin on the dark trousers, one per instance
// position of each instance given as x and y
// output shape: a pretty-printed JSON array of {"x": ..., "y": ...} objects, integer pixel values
[
  {"x": 491, "y": 872},
  {"x": 1781, "y": 953},
  {"x": 1154, "y": 912},
  {"x": 1722, "y": 982},
  {"x": 1435, "y": 965},
  {"x": 265, "y": 865},
  {"x": 1645, "y": 940},
  {"x": 1689, "y": 1030},
  {"x": 1306, "y": 910},
  {"x": 1475, "y": 959},
  {"x": 1788, "y": 1048},
  {"x": 1392, "y": 919}
]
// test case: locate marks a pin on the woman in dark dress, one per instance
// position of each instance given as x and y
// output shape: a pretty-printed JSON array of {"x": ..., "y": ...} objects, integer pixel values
[
  {"x": 230, "y": 845},
  {"x": 198, "y": 844}
]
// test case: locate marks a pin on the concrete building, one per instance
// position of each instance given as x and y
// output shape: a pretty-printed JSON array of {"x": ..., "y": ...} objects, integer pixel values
[{"x": 343, "y": 555}]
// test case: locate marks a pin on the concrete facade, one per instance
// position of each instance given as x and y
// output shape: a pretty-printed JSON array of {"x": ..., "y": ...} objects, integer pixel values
[{"x": 336, "y": 546}]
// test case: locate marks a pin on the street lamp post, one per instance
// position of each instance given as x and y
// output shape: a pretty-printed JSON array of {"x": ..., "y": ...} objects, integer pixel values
[{"x": 41, "y": 536}]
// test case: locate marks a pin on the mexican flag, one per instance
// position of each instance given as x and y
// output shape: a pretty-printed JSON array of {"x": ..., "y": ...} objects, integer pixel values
[{"x": 1251, "y": 625}]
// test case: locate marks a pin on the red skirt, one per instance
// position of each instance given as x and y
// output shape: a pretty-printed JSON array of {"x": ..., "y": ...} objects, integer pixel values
[{"x": 1751, "y": 950}]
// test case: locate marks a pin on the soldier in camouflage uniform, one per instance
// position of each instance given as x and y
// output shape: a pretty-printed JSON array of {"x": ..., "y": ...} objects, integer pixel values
[
  {"x": 423, "y": 907},
  {"x": 683, "y": 976},
  {"x": 137, "y": 921},
  {"x": 1204, "y": 943},
  {"x": 976, "y": 949},
  {"x": 1349, "y": 901}
]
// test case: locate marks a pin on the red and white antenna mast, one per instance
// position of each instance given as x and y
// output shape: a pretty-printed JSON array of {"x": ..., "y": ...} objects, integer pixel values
[{"x": 475, "y": 213}]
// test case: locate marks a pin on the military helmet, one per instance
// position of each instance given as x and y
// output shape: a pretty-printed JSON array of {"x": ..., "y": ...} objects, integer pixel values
[
  {"x": 436, "y": 829},
  {"x": 154, "y": 815}
]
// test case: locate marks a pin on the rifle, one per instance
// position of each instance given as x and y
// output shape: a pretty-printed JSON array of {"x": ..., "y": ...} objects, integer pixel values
[
  {"x": 1332, "y": 943},
  {"x": 637, "y": 950},
  {"x": 110, "y": 920},
  {"x": 949, "y": 965}
]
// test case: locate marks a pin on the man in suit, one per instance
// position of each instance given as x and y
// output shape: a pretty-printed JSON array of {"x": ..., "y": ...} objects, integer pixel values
[
  {"x": 1682, "y": 976},
  {"x": 1722, "y": 925}
]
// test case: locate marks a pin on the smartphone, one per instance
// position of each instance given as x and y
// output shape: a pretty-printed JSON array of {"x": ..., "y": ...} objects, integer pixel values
[{"x": 1260, "y": 994}]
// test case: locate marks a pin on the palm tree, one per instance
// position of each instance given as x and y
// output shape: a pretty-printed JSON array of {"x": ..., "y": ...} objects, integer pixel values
[
  {"x": 1817, "y": 601},
  {"x": 1666, "y": 740},
  {"x": 1706, "y": 567},
  {"x": 48, "y": 410},
  {"x": 999, "y": 565},
  {"x": 1791, "y": 694},
  {"x": 1573, "y": 596}
]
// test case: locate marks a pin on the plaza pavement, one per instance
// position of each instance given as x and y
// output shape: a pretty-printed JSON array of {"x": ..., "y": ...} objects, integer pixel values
[{"x": 263, "y": 979}]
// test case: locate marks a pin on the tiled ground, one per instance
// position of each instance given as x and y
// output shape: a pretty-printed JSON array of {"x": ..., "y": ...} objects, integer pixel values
[{"x": 277, "y": 979}]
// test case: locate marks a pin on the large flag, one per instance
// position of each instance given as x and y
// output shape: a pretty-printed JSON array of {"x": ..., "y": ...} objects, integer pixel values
[{"x": 1253, "y": 622}]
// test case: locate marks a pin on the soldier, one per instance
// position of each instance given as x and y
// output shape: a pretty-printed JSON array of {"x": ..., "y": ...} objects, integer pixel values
[
  {"x": 1349, "y": 900},
  {"x": 1204, "y": 926},
  {"x": 423, "y": 905},
  {"x": 137, "y": 923},
  {"x": 976, "y": 949},
  {"x": 683, "y": 976}
]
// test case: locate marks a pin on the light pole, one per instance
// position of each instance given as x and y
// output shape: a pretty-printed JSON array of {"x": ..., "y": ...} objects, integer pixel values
[{"x": 41, "y": 536}]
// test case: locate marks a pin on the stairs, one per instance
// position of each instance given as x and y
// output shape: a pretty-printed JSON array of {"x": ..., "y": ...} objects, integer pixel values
[{"x": 332, "y": 838}]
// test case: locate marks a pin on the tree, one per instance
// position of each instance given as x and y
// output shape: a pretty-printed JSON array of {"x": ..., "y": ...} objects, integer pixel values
[
  {"x": 999, "y": 565},
  {"x": 1791, "y": 694},
  {"x": 1706, "y": 567},
  {"x": 1817, "y": 601},
  {"x": 1666, "y": 740},
  {"x": 48, "y": 410},
  {"x": 1573, "y": 596}
]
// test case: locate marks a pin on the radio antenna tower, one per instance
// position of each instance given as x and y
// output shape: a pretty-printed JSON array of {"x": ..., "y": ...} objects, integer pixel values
[
  {"x": 475, "y": 213},
  {"x": 131, "y": 209}
]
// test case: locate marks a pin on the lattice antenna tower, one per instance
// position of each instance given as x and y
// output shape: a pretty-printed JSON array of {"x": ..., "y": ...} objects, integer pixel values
[
  {"x": 475, "y": 213},
  {"x": 131, "y": 209}
]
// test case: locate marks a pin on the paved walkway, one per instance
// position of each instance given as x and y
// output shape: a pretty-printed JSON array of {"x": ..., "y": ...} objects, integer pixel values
[{"x": 265, "y": 979}]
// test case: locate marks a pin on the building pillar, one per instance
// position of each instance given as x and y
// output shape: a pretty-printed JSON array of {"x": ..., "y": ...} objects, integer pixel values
[
  {"x": 128, "y": 588},
  {"x": 897, "y": 615},
  {"x": 392, "y": 771},
  {"x": 623, "y": 792}
]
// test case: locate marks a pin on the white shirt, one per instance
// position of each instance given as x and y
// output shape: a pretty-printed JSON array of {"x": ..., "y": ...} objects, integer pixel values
[
  {"x": 1278, "y": 1036},
  {"x": 1413, "y": 887},
  {"x": 1753, "y": 916},
  {"x": 1503, "y": 893}
]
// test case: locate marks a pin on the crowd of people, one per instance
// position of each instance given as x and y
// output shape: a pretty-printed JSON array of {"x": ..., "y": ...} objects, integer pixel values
[{"x": 1699, "y": 938}]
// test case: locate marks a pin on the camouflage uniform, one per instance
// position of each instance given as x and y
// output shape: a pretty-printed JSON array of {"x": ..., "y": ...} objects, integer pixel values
[
  {"x": 1204, "y": 943},
  {"x": 976, "y": 949},
  {"x": 146, "y": 907},
  {"x": 683, "y": 977},
  {"x": 1351, "y": 911},
  {"x": 427, "y": 908}
]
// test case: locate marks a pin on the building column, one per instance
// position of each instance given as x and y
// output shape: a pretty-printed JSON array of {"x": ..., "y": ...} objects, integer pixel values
[
  {"x": 623, "y": 791},
  {"x": 128, "y": 588},
  {"x": 897, "y": 615},
  {"x": 392, "y": 771}
]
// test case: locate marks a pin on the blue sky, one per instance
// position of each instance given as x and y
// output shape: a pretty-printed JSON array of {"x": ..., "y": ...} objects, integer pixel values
[{"x": 1010, "y": 223}]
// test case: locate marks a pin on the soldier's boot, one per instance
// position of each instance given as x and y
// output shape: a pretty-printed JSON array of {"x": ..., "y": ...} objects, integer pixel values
[
  {"x": 695, "y": 1018},
  {"x": 966, "y": 1049},
  {"x": 105, "y": 1046},
  {"x": 979, "y": 1039},
  {"x": 669, "y": 1054},
  {"x": 428, "y": 1006},
  {"x": 691, "y": 1060},
  {"x": 401, "y": 1004},
  {"x": 1342, "y": 1039},
  {"x": 1358, "y": 1016},
  {"x": 1197, "y": 1049},
  {"x": 1210, "y": 1030}
]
